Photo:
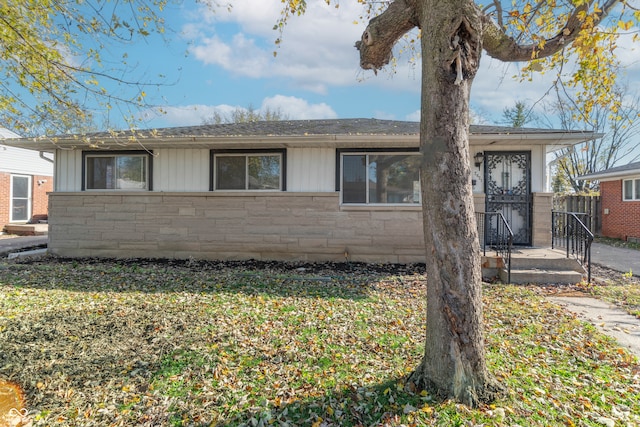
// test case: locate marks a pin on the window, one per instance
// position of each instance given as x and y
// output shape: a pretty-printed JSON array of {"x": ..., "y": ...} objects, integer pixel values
[
  {"x": 380, "y": 178},
  {"x": 631, "y": 189},
  {"x": 241, "y": 170},
  {"x": 117, "y": 171},
  {"x": 20, "y": 198}
]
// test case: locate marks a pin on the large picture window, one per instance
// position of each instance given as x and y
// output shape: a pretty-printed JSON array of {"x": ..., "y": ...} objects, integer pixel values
[
  {"x": 631, "y": 189},
  {"x": 240, "y": 170},
  {"x": 117, "y": 171},
  {"x": 380, "y": 178}
]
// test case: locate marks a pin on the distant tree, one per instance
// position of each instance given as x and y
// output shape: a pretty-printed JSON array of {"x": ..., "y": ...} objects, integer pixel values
[
  {"x": 518, "y": 115},
  {"x": 245, "y": 115},
  {"x": 620, "y": 130},
  {"x": 559, "y": 183}
]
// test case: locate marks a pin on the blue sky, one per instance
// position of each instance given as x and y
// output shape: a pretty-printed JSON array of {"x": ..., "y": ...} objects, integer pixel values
[{"x": 223, "y": 60}]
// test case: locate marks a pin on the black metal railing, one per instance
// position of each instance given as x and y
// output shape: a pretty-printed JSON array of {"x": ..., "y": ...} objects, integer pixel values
[
  {"x": 494, "y": 232},
  {"x": 569, "y": 232}
]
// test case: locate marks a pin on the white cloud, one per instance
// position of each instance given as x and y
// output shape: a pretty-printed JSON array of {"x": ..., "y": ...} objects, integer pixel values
[
  {"x": 628, "y": 51},
  {"x": 241, "y": 55},
  {"x": 317, "y": 49},
  {"x": 193, "y": 115},
  {"x": 413, "y": 117},
  {"x": 495, "y": 88},
  {"x": 298, "y": 108}
]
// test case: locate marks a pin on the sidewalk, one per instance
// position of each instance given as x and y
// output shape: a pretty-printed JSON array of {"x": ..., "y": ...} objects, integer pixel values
[
  {"x": 608, "y": 319},
  {"x": 13, "y": 244},
  {"x": 619, "y": 259}
]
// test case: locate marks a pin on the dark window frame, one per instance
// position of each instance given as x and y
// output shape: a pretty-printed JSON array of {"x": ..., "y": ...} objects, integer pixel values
[
  {"x": 119, "y": 153},
  {"x": 247, "y": 152},
  {"x": 366, "y": 151}
]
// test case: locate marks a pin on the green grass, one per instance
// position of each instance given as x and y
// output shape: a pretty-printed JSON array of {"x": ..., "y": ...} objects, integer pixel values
[
  {"x": 128, "y": 343},
  {"x": 621, "y": 290}
]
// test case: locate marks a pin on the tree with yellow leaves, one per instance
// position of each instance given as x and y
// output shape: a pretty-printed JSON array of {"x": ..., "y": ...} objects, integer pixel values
[
  {"x": 51, "y": 50},
  {"x": 545, "y": 35},
  {"x": 40, "y": 49}
]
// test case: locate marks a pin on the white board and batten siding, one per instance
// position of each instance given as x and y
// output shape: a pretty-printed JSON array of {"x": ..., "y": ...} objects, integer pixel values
[
  {"x": 311, "y": 170},
  {"x": 68, "y": 175},
  {"x": 181, "y": 170},
  {"x": 188, "y": 170}
]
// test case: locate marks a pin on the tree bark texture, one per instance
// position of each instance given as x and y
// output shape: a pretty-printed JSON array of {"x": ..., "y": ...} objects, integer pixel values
[
  {"x": 454, "y": 359},
  {"x": 454, "y": 33}
]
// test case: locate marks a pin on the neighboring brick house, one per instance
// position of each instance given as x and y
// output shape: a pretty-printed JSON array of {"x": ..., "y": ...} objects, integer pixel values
[
  {"x": 620, "y": 195},
  {"x": 26, "y": 177}
]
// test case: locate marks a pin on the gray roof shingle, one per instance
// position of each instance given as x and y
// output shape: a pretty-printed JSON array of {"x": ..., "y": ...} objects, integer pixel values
[{"x": 308, "y": 127}]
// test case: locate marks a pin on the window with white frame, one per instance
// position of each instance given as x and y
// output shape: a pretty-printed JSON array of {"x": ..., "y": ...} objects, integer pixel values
[
  {"x": 244, "y": 170},
  {"x": 380, "y": 178},
  {"x": 20, "y": 198},
  {"x": 631, "y": 189},
  {"x": 117, "y": 171}
]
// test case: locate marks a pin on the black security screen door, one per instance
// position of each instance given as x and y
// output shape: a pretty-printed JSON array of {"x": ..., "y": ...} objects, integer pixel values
[{"x": 508, "y": 190}]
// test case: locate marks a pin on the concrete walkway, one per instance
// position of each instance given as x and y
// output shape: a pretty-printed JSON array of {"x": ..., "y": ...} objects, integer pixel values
[
  {"x": 13, "y": 244},
  {"x": 608, "y": 319}
]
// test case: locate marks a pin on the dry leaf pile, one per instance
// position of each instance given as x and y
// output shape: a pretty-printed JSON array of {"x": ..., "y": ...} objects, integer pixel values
[{"x": 146, "y": 343}]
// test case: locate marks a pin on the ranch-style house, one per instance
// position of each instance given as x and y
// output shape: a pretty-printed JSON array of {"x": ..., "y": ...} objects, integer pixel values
[{"x": 308, "y": 190}]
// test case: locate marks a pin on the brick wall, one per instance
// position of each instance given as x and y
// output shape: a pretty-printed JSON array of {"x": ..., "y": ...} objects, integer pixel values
[
  {"x": 5, "y": 202},
  {"x": 623, "y": 219},
  {"x": 39, "y": 197},
  {"x": 41, "y": 186}
]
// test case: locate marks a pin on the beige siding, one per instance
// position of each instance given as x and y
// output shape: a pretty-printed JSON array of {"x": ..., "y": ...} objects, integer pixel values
[{"x": 311, "y": 169}]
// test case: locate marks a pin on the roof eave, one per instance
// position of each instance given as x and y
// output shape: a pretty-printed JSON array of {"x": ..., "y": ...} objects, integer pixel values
[
  {"x": 609, "y": 176},
  {"x": 558, "y": 140}
]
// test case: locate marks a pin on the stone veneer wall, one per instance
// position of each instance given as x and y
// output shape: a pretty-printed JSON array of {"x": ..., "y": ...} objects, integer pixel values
[
  {"x": 541, "y": 213},
  {"x": 235, "y": 226},
  {"x": 230, "y": 226}
]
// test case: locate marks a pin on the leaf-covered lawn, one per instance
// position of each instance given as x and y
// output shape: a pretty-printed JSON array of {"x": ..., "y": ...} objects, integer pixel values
[
  {"x": 143, "y": 343},
  {"x": 621, "y": 289}
]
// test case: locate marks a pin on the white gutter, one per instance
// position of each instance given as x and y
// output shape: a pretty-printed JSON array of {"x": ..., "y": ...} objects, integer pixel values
[{"x": 609, "y": 176}]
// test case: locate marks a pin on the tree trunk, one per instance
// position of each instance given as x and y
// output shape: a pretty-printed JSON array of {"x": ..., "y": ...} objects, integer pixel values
[{"x": 454, "y": 362}]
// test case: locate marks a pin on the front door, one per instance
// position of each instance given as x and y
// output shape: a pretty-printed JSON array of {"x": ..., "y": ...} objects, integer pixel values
[
  {"x": 508, "y": 190},
  {"x": 20, "y": 198}
]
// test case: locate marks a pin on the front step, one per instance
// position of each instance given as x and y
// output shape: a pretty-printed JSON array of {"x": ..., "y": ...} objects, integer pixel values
[
  {"x": 540, "y": 276},
  {"x": 540, "y": 266}
]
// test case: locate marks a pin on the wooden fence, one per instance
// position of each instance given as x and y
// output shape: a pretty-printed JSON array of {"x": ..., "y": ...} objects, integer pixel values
[{"x": 591, "y": 206}]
